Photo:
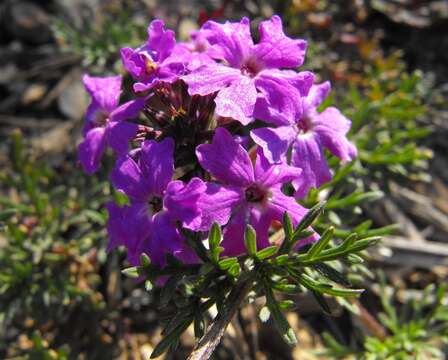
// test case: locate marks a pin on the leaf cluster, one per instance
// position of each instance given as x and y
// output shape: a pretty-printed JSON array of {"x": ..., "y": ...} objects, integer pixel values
[
  {"x": 49, "y": 226},
  {"x": 416, "y": 331},
  {"x": 271, "y": 272},
  {"x": 100, "y": 36}
]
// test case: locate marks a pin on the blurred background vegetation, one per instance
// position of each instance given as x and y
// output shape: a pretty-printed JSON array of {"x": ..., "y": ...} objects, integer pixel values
[{"x": 63, "y": 297}]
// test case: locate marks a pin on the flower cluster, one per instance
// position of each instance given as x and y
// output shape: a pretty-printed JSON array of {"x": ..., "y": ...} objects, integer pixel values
[{"x": 220, "y": 130}]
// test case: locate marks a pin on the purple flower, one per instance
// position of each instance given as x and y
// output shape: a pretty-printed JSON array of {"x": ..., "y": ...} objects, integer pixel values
[
  {"x": 309, "y": 135},
  {"x": 197, "y": 51},
  {"x": 147, "y": 225},
  {"x": 105, "y": 125},
  {"x": 158, "y": 60},
  {"x": 244, "y": 194},
  {"x": 247, "y": 79}
]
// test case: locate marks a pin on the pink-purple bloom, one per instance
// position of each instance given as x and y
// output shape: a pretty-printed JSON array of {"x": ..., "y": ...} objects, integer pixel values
[
  {"x": 308, "y": 136},
  {"x": 146, "y": 226},
  {"x": 243, "y": 193},
  {"x": 248, "y": 77},
  {"x": 186, "y": 171},
  {"x": 158, "y": 60},
  {"x": 105, "y": 121},
  {"x": 196, "y": 53}
]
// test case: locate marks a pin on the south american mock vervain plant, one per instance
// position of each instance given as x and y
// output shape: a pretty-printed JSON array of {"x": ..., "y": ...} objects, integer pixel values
[{"x": 220, "y": 140}]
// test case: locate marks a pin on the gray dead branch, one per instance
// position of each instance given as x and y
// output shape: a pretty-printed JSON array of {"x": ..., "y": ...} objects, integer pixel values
[
  {"x": 420, "y": 206},
  {"x": 406, "y": 253}
]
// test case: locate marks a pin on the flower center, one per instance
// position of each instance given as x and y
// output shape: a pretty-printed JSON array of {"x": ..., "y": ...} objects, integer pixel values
[
  {"x": 255, "y": 194},
  {"x": 304, "y": 125},
  {"x": 200, "y": 46},
  {"x": 156, "y": 204},
  {"x": 150, "y": 66},
  {"x": 101, "y": 118},
  {"x": 250, "y": 68}
]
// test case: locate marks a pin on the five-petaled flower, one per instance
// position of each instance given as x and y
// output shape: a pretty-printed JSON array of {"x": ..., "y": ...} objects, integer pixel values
[
  {"x": 247, "y": 76},
  {"x": 308, "y": 136},
  {"x": 146, "y": 225},
  {"x": 155, "y": 61},
  {"x": 105, "y": 125},
  {"x": 244, "y": 193}
]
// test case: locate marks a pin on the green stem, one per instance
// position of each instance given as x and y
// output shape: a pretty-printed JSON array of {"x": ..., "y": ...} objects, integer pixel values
[{"x": 212, "y": 337}]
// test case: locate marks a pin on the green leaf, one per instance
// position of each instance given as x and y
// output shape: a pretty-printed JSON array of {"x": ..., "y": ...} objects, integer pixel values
[
  {"x": 250, "y": 240},
  {"x": 355, "y": 259},
  {"x": 322, "y": 243},
  {"x": 226, "y": 263},
  {"x": 301, "y": 235},
  {"x": 214, "y": 254},
  {"x": 234, "y": 270},
  {"x": 331, "y": 273},
  {"x": 171, "y": 338},
  {"x": 289, "y": 231},
  {"x": 145, "y": 260},
  {"x": 337, "y": 252},
  {"x": 148, "y": 285},
  {"x": 214, "y": 236},
  {"x": 7, "y": 214},
  {"x": 287, "y": 226},
  {"x": 322, "y": 302},
  {"x": 95, "y": 216},
  {"x": 279, "y": 319},
  {"x": 195, "y": 242},
  {"x": 281, "y": 259},
  {"x": 266, "y": 252},
  {"x": 287, "y": 305},
  {"x": 354, "y": 199},
  {"x": 287, "y": 288},
  {"x": 349, "y": 241},
  {"x": 311, "y": 284},
  {"x": 168, "y": 291},
  {"x": 132, "y": 272},
  {"x": 199, "y": 325},
  {"x": 310, "y": 217}
]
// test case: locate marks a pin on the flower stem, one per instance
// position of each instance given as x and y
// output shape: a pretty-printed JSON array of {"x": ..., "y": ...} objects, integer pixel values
[{"x": 205, "y": 347}]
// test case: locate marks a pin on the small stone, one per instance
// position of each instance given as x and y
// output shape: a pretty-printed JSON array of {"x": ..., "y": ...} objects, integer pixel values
[
  {"x": 7, "y": 73},
  {"x": 72, "y": 100},
  {"x": 146, "y": 351},
  {"x": 33, "y": 93}
]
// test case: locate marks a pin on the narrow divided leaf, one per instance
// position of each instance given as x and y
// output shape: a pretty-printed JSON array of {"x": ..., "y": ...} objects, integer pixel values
[
  {"x": 132, "y": 272},
  {"x": 170, "y": 339},
  {"x": 145, "y": 260},
  {"x": 199, "y": 326},
  {"x": 322, "y": 243},
  {"x": 280, "y": 321},
  {"x": 235, "y": 270},
  {"x": 310, "y": 217},
  {"x": 266, "y": 252},
  {"x": 313, "y": 285},
  {"x": 148, "y": 285},
  {"x": 168, "y": 291},
  {"x": 250, "y": 240},
  {"x": 287, "y": 288},
  {"x": 214, "y": 236},
  {"x": 226, "y": 263},
  {"x": 287, "y": 305},
  {"x": 331, "y": 273},
  {"x": 349, "y": 241},
  {"x": 322, "y": 302}
]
